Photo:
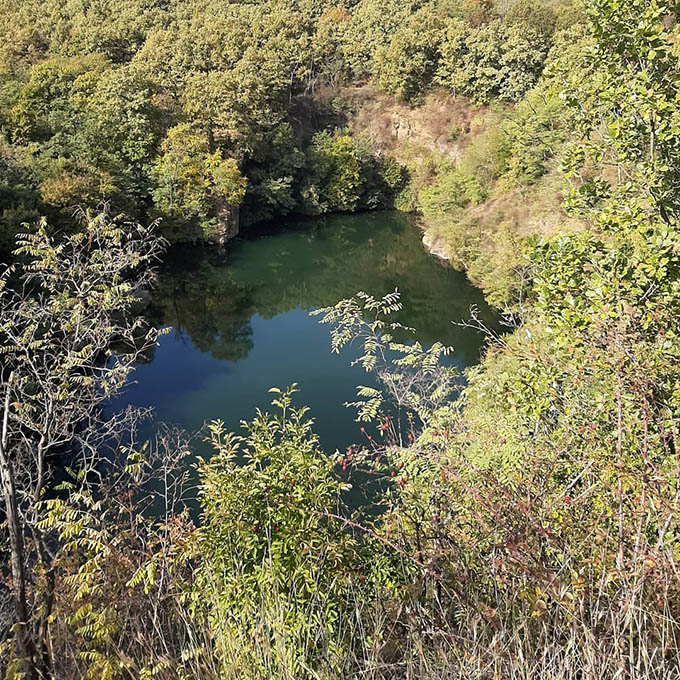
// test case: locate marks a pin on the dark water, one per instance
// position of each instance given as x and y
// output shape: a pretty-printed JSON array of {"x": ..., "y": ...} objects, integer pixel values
[{"x": 240, "y": 320}]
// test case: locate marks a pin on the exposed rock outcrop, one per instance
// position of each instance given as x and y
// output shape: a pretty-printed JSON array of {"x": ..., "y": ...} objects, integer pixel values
[
  {"x": 436, "y": 245},
  {"x": 227, "y": 224},
  {"x": 438, "y": 124}
]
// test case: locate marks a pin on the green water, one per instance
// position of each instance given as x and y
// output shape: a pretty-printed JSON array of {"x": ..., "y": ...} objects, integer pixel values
[{"x": 240, "y": 320}]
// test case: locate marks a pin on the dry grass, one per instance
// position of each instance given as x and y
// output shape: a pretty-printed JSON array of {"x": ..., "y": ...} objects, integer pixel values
[{"x": 439, "y": 124}]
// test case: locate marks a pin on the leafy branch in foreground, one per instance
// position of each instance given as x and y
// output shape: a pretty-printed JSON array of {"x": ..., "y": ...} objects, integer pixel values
[
  {"x": 63, "y": 307},
  {"x": 413, "y": 378}
]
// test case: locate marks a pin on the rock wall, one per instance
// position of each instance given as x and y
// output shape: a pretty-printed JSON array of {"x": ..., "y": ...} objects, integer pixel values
[
  {"x": 436, "y": 245},
  {"x": 227, "y": 224},
  {"x": 438, "y": 124}
]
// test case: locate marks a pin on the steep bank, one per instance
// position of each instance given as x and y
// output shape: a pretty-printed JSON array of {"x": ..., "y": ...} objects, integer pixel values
[{"x": 474, "y": 214}]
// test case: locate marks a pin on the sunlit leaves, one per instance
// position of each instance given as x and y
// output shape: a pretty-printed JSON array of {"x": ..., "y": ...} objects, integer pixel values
[
  {"x": 191, "y": 181},
  {"x": 411, "y": 377}
]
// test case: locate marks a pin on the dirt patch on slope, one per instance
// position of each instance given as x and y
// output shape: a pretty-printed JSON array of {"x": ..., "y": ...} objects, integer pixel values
[{"x": 440, "y": 123}]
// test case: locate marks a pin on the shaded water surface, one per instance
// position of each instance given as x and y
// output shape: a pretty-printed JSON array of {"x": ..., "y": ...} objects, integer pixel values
[{"x": 240, "y": 320}]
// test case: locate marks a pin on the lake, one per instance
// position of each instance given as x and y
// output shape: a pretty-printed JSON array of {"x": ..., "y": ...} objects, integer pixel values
[{"x": 240, "y": 320}]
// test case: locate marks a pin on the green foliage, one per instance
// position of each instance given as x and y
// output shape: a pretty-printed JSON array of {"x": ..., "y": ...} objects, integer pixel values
[
  {"x": 392, "y": 179},
  {"x": 191, "y": 183},
  {"x": 625, "y": 105},
  {"x": 452, "y": 190},
  {"x": 371, "y": 25},
  {"x": 627, "y": 273},
  {"x": 275, "y": 179},
  {"x": 119, "y": 130},
  {"x": 45, "y": 105},
  {"x": 114, "y": 563},
  {"x": 340, "y": 178},
  {"x": 62, "y": 307},
  {"x": 89, "y": 130},
  {"x": 90, "y": 94},
  {"x": 538, "y": 511},
  {"x": 535, "y": 133},
  {"x": 411, "y": 375},
  {"x": 19, "y": 195},
  {"x": 273, "y": 544},
  {"x": 540, "y": 17},
  {"x": 406, "y": 65},
  {"x": 496, "y": 60},
  {"x": 347, "y": 175}
]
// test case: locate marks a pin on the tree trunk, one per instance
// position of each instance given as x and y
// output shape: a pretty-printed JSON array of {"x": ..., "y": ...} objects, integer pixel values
[
  {"x": 42, "y": 641},
  {"x": 24, "y": 646},
  {"x": 22, "y": 637}
]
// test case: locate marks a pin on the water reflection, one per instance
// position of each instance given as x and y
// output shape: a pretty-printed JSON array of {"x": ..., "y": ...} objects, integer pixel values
[{"x": 240, "y": 320}]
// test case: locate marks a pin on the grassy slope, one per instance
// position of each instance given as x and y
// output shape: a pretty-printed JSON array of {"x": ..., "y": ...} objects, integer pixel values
[{"x": 483, "y": 238}]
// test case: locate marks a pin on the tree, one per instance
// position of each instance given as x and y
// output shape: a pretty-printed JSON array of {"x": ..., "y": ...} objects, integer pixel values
[
  {"x": 327, "y": 45},
  {"x": 45, "y": 106},
  {"x": 118, "y": 131},
  {"x": 19, "y": 194},
  {"x": 193, "y": 183},
  {"x": 494, "y": 60},
  {"x": 371, "y": 25},
  {"x": 406, "y": 65},
  {"x": 339, "y": 180},
  {"x": 530, "y": 13},
  {"x": 62, "y": 308},
  {"x": 624, "y": 98}
]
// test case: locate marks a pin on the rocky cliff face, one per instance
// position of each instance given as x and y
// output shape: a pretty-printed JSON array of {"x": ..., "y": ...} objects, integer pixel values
[
  {"x": 437, "y": 129},
  {"x": 438, "y": 124},
  {"x": 227, "y": 226},
  {"x": 436, "y": 245}
]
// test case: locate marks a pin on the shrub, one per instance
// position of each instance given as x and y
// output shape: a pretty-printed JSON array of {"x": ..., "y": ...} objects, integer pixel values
[
  {"x": 451, "y": 191},
  {"x": 541, "y": 508},
  {"x": 535, "y": 131},
  {"x": 493, "y": 61},
  {"x": 280, "y": 572},
  {"x": 337, "y": 178}
]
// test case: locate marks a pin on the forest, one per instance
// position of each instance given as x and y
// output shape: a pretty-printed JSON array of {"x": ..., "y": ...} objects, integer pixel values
[
  {"x": 212, "y": 114},
  {"x": 523, "y": 519}
]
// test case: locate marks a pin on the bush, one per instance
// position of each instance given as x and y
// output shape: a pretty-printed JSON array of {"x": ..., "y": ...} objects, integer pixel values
[
  {"x": 493, "y": 61},
  {"x": 406, "y": 65},
  {"x": 537, "y": 505},
  {"x": 540, "y": 18},
  {"x": 451, "y": 191},
  {"x": 346, "y": 174},
  {"x": 535, "y": 132},
  {"x": 337, "y": 179},
  {"x": 281, "y": 576}
]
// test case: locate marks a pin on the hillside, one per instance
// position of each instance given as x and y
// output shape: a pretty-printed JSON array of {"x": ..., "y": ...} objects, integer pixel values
[{"x": 516, "y": 519}]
